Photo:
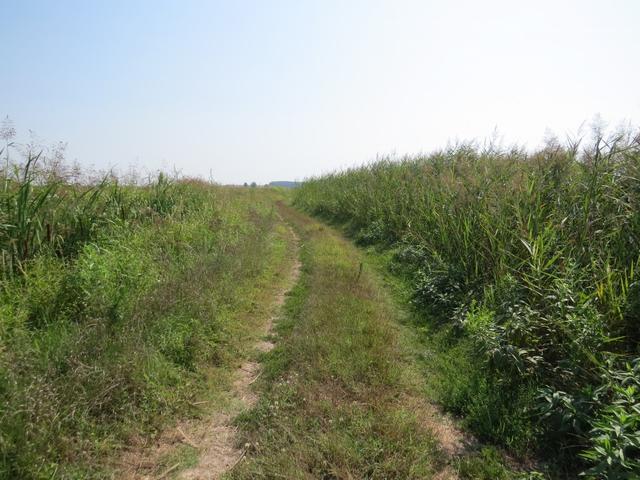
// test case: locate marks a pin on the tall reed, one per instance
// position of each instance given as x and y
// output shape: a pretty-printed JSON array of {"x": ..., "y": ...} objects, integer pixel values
[
  {"x": 533, "y": 257},
  {"x": 40, "y": 211}
]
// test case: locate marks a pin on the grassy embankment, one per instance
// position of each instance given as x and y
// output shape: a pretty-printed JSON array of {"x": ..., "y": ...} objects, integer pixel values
[
  {"x": 525, "y": 269},
  {"x": 118, "y": 305},
  {"x": 341, "y": 397}
]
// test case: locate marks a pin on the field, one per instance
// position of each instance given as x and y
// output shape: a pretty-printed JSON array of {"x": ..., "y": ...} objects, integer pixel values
[{"x": 469, "y": 314}]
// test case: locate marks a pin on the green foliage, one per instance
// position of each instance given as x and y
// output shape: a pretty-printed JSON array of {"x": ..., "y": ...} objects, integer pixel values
[
  {"x": 615, "y": 432},
  {"x": 530, "y": 262},
  {"x": 114, "y": 302}
]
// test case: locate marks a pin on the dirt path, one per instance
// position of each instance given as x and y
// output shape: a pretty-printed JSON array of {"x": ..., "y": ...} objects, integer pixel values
[
  {"x": 217, "y": 437},
  {"x": 346, "y": 400},
  {"x": 212, "y": 438}
]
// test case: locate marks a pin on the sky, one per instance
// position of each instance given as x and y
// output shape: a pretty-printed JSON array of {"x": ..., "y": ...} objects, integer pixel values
[{"x": 241, "y": 91}]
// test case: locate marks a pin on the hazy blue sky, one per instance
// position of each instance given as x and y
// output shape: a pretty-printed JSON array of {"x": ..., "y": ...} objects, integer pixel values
[{"x": 266, "y": 90}]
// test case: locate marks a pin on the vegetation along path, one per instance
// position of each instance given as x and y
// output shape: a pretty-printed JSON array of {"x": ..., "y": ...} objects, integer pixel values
[
  {"x": 332, "y": 388},
  {"x": 162, "y": 344},
  {"x": 207, "y": 446},
  {"x": 341, "y": 396}
]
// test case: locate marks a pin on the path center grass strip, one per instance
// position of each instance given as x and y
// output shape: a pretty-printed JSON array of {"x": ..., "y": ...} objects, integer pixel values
[{"x": 334, "y": 387}]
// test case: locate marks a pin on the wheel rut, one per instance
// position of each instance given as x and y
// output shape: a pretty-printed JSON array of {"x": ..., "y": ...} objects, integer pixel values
[
  {"x": 213, "y": 436},
  {"x": 218, "y": 448}
]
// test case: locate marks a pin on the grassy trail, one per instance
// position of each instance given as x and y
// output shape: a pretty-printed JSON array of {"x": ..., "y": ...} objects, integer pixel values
[
  {"x": 341, "y": 396},
  {"x": 327, "y": 383},
  {"x": 205, "y": 445}
]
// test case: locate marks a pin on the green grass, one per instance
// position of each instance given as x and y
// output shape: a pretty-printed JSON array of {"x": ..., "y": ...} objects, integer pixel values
[
  {"x": 524, "y": 270},
  {"x": 338, "y": 393},
  {"x": 116, "y": 305},
  {"x": 121, "y": 306}
]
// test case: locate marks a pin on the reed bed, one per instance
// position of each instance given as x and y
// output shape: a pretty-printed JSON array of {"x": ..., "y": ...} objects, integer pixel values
[{"x": 527, "y": 267}]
